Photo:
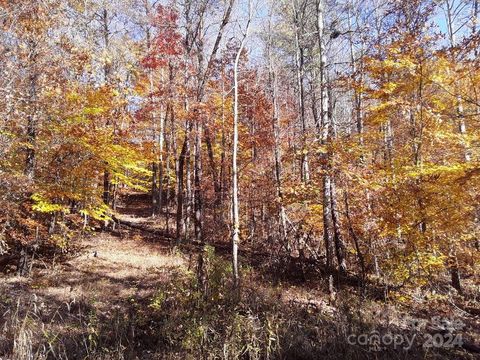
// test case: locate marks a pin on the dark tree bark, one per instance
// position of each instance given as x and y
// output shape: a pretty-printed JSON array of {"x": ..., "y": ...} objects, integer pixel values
[
  {"x": 338, "y": 240},
  {"x": 154, "y": 189},
  {"x": 32, "y": 109},
  {"x": 355, "y": 238},
  {"x": 180, "y": 231}
]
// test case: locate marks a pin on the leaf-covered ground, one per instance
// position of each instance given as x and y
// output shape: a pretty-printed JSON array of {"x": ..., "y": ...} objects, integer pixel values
[{"x": 127, "y": 294}]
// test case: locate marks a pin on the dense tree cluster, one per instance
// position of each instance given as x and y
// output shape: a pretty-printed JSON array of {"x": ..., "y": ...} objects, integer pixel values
[{"x": 345, "y": 132}]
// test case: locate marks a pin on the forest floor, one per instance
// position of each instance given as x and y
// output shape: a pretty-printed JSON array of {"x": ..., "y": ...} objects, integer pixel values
[{"x": 91, "y": 299}]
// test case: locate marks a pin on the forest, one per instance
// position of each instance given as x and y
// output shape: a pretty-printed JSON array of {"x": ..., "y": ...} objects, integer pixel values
[{"x": 239, "y": 179}]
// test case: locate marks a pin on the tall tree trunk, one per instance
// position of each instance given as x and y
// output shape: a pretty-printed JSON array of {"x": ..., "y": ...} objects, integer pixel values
[
  {"x": 168, "y": 145},
  {"x": 154, "y": 187},
  {"x": 476, "y": 53},
  {"x": 198, "y": 205},
  {"x": 276, "y": 148},
  {"x": 197, "y": 159},
  {"x": 32, "y": 109},
  {"x": 106, "y": 81},
  {"x": 180, "y": 231},
  {"x": 184, "y": 161},
  {"x": 235, "y": 199},
  {"x": 223, "y": 162},
  {"x": 327, "y": 221},
  {"x": 323, "y": 135},
  {"x": 353, "y": 234},
  {"x": 153, "y": 120},
  {"x": 357, "y": 96},
  {"x": 161, "y": 144},
  {"x": 451, "y": 14},
  {"x": 338, "y": 240},
  {"x": 278, "y": 163},
  {"x": 475, "y": 12},
  {"x": 300, "y": 69},
  {"x": 189, "y": 195},
  {"x": 32, "y": 116}
]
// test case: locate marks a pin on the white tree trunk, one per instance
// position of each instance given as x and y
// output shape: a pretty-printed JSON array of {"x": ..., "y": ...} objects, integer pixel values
[{"x": 235, "y": 200}]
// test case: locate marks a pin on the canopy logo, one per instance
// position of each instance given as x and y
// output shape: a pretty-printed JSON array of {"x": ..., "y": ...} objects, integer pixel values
[{"x": 443, "y": 336}]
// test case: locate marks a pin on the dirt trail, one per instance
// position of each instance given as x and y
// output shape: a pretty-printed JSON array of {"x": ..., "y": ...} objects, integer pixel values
[
  {"x": 107, "y": 268},
  {"x": 66, "y": 304}
]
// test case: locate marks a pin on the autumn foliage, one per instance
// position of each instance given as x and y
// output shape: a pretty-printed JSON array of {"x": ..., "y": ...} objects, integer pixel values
[{"x": 358, "y": 136}]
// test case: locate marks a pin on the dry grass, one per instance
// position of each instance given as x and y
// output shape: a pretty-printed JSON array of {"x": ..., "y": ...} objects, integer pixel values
[
  {"x": 98, "y": 305},
  {"x": 61, "y": 305}
]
